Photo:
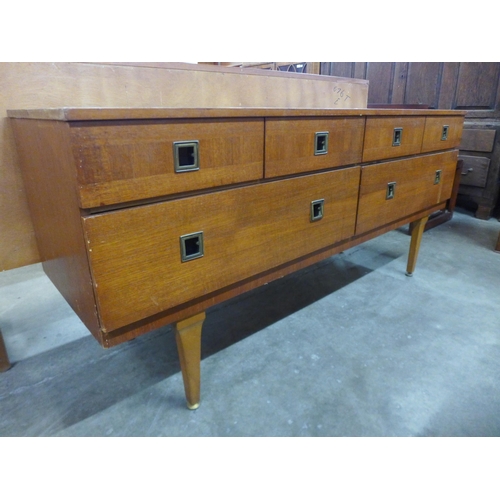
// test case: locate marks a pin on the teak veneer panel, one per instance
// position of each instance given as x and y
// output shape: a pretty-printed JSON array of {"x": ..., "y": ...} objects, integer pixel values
[
  {"x": 379, "y": 135},
  {"x": 122, "y": 162},
  {"x": 135, "y": 253},
  {"x": 414, "y": 191},
  {"x": 290, "y": 144},
  {"x": 70, "y": 114},
  {"x": 432, "y": 140},
  {"x": 47, "y": 167}
]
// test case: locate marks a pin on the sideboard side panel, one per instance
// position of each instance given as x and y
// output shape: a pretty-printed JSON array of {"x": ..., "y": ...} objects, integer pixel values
[{"x": 49, "y": 178}]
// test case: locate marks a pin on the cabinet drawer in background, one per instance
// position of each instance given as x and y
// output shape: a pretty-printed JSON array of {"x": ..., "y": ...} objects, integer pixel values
[
  {"x": 414, "y": 188},
  {"x": 295, "y": 145},
  {"x": 136, "y": 253},
  {"x": 128, "y": 161},
  {"x": 478, "y": 140},
  {"x": 442, "y": 132},
  {"x": 474, "y": 170},
  {"x": 392, "y": 136}
]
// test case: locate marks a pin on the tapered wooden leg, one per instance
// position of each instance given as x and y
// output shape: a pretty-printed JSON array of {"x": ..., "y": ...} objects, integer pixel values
[
  {"x": 4, "y": 360},
  {"x": 497, "y": 248},
  {"x": 188, "y": 338},
  {"x": 417, "y": 229}
]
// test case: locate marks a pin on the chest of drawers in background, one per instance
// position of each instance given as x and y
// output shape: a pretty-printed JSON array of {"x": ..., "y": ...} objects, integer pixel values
[
  {"x": 146, "y": 217},
  {"x": 480, "y": 179}
]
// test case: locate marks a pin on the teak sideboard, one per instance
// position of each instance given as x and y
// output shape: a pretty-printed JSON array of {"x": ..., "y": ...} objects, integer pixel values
[{"x": 146, "y": 217}]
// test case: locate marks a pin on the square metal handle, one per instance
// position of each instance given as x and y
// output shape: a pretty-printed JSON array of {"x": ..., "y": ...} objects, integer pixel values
[
  {"x": 191, "y": 246},
  {"x": 321, "y": 143},
  {"x": 391, "y": 191},
  {"x": 444, "y": 133},
  {"x": 186, "y": 156},
  {"x": 397, "y": 136},
  {"x": 437, "y": 177},
  {"x": 317, "y": 209}
]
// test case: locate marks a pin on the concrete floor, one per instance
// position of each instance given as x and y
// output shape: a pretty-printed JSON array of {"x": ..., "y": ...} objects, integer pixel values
[{"x": 348, "y": 347}]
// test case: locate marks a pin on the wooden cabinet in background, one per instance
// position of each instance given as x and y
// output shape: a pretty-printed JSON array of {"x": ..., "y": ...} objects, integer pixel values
[{"x": 480, "y": 152}]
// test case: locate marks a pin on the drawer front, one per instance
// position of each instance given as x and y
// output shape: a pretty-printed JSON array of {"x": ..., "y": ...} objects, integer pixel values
[
  {"x": 392, "y": 136},
  {"x": 136, "y": 253},
  {"x": 478, "y": 140},
  {"x": 125, "y": 162},
  {"x": 414, "y": 189},
  {"x": 308, "y": 144},
  {"x": 474, "y": 170},
  {"x": 442, "y": 132}
]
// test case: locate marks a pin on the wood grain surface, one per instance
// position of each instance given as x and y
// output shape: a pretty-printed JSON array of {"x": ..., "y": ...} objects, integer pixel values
[
  {"x": 432, "y": 140},
  {"x": 25, "y": 85},
  {"x": 290, "y": 144},
  {"x": 135, "y": 253},
  {"x": 128, "y": 161},
  {"x": 49, "y": 177},
  {"x": 414, "y": 191},
  {"x": 379, "y": 135}
]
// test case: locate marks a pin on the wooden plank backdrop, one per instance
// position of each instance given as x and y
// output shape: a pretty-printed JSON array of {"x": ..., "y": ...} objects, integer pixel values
[{"x": 47, "y": 85}]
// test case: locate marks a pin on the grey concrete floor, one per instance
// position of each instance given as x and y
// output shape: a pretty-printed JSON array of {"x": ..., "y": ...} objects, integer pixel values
[{"x": 348, "y": 347}]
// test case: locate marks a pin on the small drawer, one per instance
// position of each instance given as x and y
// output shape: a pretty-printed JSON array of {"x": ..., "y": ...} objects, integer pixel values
[
  {"x": 392, "y": 190},
  {"x": 478, "y": 140},
  {"x": 152, "y": 258},
  {"x": 307, "y": 144},
  {"x": 474, "y": 170},
  {"x": 442, "y": 132},
  {"x": 129, "y": 161},
  {"x": 392, "y": 136}
]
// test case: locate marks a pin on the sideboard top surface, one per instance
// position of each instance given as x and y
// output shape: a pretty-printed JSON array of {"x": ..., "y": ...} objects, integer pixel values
[{"x": 83, "y": 114}]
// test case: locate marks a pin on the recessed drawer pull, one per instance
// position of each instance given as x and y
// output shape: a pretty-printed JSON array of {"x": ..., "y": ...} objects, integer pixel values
[
  {"x": 444, "y": 134},
  {"x": 469, "y": 170},
  {"x": 317, "y": 210},
  {"x": 191, "y": 246},
  {"x": 391, "y": 190},
  {"x": 321, "y": 143},
  {"x": 186, "y": 157},
  {"x": 437, "y": 177},
  {"x": 397, "y": 136}
]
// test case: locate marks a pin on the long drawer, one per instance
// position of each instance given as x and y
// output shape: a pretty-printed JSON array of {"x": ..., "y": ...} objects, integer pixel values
[
  {"x": 123, "y": 162},
  {"x": 151, "y": 258},
  {"x": 395, "y": 189}
]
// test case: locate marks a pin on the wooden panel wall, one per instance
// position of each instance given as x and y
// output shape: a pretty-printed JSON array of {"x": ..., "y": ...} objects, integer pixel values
[
  {"x": 45, "y": 85},
  {"x": 477, "y": 86},
  {"x": 473, "y": 86}
]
